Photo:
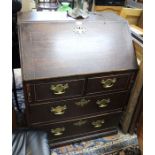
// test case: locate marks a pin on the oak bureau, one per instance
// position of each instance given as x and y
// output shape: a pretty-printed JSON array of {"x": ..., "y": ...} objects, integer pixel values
[{"x": 77, "y": 74}]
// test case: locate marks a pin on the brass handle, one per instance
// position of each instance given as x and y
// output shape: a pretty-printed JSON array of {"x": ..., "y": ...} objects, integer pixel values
[
  {"x": 59, "y": 110},
  {"x": 108, "y": 83},
  {"x": 59, "y": 88},
  {"x": 103, "y": 103},
  {"x": 57, "y": 131},
  {"x": 82, "y": 102},
  {"x": 98, "y": 123},
  {"x": 80, "y": 123}
]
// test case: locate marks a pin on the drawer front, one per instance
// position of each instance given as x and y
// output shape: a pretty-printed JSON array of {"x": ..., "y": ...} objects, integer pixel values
[
  {"x": 67, "y": 109},
  {"x": 108, "y": 83},
  {"x": 58, "y": 90},
  {"x": 62, "y": 130}
]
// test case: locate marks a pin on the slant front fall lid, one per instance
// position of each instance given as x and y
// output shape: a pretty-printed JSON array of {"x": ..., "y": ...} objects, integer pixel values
[{"x": 65, "y": 47}]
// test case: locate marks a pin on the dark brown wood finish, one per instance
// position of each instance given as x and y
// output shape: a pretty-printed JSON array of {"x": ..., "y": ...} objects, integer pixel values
[
  {"x": 83, "y": 84},
  {"x": 121, "y": 83},
  {"x": 78, "y": 107},
  {"x": 43, "y": 90},
  {"x": 84, "y": 137},
  {"x": 52, "y": 50},
  {"x": 73, "y": 77},
  {"x": 14, "y": 119},
  {"x": 81, "y": 126}
]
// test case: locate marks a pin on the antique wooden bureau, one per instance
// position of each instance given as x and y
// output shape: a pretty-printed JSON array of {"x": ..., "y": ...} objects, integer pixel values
[{"x": 77, "y": 74}]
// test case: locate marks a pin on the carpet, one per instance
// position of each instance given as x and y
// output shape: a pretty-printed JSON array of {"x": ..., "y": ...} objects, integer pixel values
[
  {"x": 113, "y": 145},
  {"x": 119, "y": 144}
]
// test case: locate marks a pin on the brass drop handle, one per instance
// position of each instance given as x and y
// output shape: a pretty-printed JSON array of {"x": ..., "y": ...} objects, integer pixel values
[
  {"x": 108, "y": 83},
  {"x": 57, "y": 131},
  {"x": 59, "y": 88},
  {"x": 98, "y": 123},
  {"x": 58, "y": 110},
  {"x": 82, "y": 102},
  {"x": 80, "y": 123},
  {"x": 103, "y": 103}
]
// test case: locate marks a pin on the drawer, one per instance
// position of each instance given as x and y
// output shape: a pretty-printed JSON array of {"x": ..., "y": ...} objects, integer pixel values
[
  {"x": 61, "y": 130},
  {"x": 56, "y": 90},
  {"x": 108, "y": 83},
  {"x": 78, "y": 107}
]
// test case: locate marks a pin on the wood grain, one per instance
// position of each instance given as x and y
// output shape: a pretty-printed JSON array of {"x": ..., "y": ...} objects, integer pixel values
[
  {"x": 116, "y": 101},
  {"x": 54, "y": 50},
  {"x": 110, "y": 120},
  {"x": 135, "y": 92},
  {"x": 116, "y": 9}
]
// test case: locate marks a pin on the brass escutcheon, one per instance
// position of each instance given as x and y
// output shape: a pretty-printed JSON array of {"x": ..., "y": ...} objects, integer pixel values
[
  {"x": 80, "y": 123},
  {"x": 108, "y": 83},
  {"x": 82, "y": 102},
  {"x": 98, "y": 123},
  {"x": 57, "y": 131},
  {"x": 103, "y": 103},
  {"x": 59, "y": 88},
  {"x": 79, "y": 28},
  {"x": 59, "y": 110}
]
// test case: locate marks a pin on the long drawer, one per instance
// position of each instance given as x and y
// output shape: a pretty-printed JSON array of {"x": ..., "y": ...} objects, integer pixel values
[
  {"x": 79, "y": 107},
  {"x": 61, "y": 130}
]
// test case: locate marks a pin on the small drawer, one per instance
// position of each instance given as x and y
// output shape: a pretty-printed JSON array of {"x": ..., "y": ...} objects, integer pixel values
[
  {"x": 108, "y": 83},
  {"x": 56, "y": 90},
  {"x": 61, "y": 110},
  {"x": 61, "y": 130}
]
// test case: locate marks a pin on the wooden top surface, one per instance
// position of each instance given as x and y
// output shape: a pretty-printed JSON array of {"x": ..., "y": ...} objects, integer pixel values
[{"x": 51, "y": 48}]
